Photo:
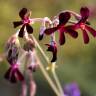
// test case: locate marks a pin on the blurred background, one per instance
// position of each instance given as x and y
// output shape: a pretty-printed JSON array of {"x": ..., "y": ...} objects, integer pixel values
[{"x": 76, "y": 61}]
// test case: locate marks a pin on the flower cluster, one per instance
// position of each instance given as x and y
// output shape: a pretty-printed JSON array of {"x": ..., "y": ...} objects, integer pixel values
[
  {"x": 15, "y": 52},
  {"x": 61, "y": 23}
]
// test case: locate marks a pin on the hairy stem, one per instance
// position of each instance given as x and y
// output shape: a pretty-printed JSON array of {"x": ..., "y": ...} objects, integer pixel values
[
  {"x": 57, "y": 79},
  {"x": 45, "y": 73},
  {"x": 24, "y": 89}
]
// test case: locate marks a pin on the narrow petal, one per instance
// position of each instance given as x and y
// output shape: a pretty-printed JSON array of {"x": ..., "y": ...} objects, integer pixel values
[
  {"x": 29, "y": 29},
  {"x": 19, "y": 75},
  {"x": 91, "y": 30},
  {"x": 84, "y": 11},
  {"x": 13, "y": 77},
  {"x": 50, "y": 30},
  {"x": 52, "y": 49},
  {"x": 41, "y": 36},
  {"x": 71, "y": 31},
  {"x": 10, "y": 75},
  {"x": 54, "y": 58},
  {"x": 21, "y": 32},
  {"x": 64, "y": 17},
  {"x": 85, "y": 37},
  {"x": 61, "y": 37},
  {"x": 17, "y": 23},
  {"x": 23, "y": 12},
  {"x": 7, "y": 74}
]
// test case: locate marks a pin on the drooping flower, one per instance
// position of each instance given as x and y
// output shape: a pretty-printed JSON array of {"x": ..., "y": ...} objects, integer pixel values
[
  {"x": 83, "y": 24},
  {"x": 13, "y": 74},
  {"x": 31, "y": 55},
  {"x": 71, "y": 90},
  {"x": 25, "y": 22},
  {"x": 52, "y": 47},
  {"x": 63, "y": 19}
]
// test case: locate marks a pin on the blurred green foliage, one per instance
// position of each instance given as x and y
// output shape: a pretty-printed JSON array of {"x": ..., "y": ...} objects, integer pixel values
[{"x": 76, "y": 61}]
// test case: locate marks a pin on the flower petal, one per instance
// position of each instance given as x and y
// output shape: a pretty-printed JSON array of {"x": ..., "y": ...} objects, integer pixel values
[
  {"x": 85, "y": 37},
  {"x": 91, "y": 30},
  {"x": 50, "y": 30},
  {"x": 20, "y": 77},
  {"x": 53, "y": 49},
  {"x": 64, "y": 17},
  {"x": 17, "y": 23},
  {"x": 21, "y": 32},
  {"x": 23, "y": 12},
  {"x": 29, "y": 29},
  {"x": 71, "y": 31},
  {"x": 10, "y": 75},
  {"x": 7, "y": 74},
  {"x": 54, "y": 58},
  {"x": 41, "y": 36},
  {"x": 13, "y": 77},
  {"x": 61, "y": 37},
  {"x": 84, "y": 11}
]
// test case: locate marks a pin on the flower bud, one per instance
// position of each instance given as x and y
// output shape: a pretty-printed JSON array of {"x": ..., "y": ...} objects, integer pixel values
[
  {"x": 29, "y": 45},
  {"x": 12, "y": 49},
  {"x": 32, "y": 61}
]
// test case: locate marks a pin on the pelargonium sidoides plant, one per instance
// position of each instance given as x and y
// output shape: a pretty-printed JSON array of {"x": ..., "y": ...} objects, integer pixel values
[{"x": 17, "y": 54}]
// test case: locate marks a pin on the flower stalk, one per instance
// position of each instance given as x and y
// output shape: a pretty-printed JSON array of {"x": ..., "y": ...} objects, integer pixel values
[{"x": 52, "y": 67}]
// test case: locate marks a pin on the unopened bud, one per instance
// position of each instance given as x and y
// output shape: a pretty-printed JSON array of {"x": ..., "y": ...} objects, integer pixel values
[{"x": 12, "y": 49}]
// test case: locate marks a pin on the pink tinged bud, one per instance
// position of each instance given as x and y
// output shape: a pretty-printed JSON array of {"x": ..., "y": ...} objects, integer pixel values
[
  {"x": 12, "y": 49},
  {"x": 55, "y": 22},
  {"x": 33, "y": 63},
  {"x": 29, "y": 45}
]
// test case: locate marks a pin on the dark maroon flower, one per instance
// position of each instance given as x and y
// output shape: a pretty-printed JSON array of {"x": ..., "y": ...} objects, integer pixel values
[
  {"x": 25, "y": 22},
  {"x": 13, "y": 74},
  {"x": 63, "y": 19},
  {"x": 52, "y": 48},
  {"x": 83, "y": 24}
]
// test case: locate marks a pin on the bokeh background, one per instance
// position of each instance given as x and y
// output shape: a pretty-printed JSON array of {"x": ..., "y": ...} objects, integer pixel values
[{"x": 76, "y": 61}]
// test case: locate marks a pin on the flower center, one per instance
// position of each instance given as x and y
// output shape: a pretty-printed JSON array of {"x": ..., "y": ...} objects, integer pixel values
[
  {"x": 26, "y": 21},
  {"x": 82, "y": 25},
  {"x": 14, "y": 66}
]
